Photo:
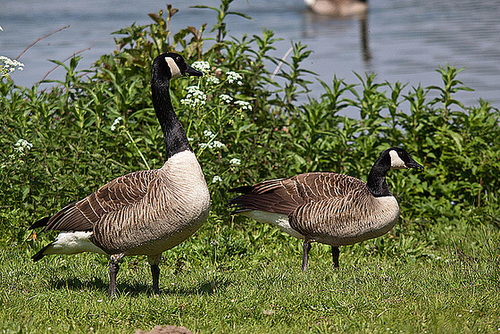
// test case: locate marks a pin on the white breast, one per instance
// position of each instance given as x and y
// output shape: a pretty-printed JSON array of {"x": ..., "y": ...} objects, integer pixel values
[
  {"x": 387, "y": 211},
  {"x": 186, "y": 181}
]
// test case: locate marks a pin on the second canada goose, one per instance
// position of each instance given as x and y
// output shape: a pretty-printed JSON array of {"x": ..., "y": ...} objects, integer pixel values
[
  {"x": 329, "y": 208},
  {"x": 145, "y": 212},
  {"x": 338, "y": 7}
]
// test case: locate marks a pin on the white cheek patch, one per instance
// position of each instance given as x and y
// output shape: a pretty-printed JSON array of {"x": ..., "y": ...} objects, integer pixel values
[
  {"x": 174, "y": 69},
  {"x": 396, "y": 162}
]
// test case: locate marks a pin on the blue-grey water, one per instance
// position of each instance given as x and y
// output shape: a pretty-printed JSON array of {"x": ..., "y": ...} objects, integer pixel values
[{"x": 400, "y": 40}]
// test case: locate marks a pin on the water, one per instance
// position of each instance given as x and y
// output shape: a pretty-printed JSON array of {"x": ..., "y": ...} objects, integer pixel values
[{"x": 404, "y": 40}]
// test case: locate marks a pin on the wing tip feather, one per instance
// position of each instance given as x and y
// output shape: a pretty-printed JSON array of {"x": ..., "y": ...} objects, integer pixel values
[
  {"x": 241, "y": 189},
  {"x": 40, "y": 223}
]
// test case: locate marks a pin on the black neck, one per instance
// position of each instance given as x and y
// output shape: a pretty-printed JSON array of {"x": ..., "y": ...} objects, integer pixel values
[
  {"x": 376, "y": 179},
  {"x": 173, "y": 133}
]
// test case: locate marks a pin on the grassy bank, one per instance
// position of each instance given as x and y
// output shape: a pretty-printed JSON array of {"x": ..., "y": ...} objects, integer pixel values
[{"x": 261, "y": 292}]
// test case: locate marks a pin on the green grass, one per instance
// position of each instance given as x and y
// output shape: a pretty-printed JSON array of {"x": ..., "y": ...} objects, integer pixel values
[{"x": 452, "y": 290}]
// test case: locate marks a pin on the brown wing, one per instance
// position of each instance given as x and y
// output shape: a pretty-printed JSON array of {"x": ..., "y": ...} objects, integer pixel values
[
  {"x": 286, "y": 195},
  {"x": 269, "y": 196},
  {"x": 114, "y": 196}
]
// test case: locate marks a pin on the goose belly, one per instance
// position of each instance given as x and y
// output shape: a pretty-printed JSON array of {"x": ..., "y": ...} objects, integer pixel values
[
  {"x": 180, "y": 219},
  {"x": 170, "y": 234},
  {"x": 277, "y": 219}
]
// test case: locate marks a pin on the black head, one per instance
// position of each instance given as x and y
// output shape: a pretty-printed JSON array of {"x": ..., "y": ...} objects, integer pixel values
[
  {"x": 392, "y": 158},
  {"x": 171, "y": 65},
  {"x": 397, "y": 158}
]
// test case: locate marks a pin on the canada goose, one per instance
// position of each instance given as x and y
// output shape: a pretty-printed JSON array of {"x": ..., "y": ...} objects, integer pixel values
[
  {"x": 329, "y": 208},
  {"x": 338, "y": 7},
  {"x": 145, "y": 212}
]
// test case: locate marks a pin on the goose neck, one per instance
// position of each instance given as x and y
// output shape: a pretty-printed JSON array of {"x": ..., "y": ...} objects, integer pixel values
[
  {"x": 173, "y": 133},
  {"x": 377, "y": 183}
]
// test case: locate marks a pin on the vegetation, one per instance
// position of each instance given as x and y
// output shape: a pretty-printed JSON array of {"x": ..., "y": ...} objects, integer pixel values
[{"x": 437, "y": 271}]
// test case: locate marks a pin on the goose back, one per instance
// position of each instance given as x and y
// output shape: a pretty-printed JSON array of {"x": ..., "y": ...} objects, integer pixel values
[{"x": 286, "y": 195}]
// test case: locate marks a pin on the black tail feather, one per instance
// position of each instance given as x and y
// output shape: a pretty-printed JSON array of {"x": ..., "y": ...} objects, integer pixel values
[
  {"x": 40, "y": 223},
  {"x": 242, "y": 189},
  {"x": 50, "y": 221},
  {"x": 239, "y": 210},
  {"x": 38, "y": 256},
  {"x": 233, "y": 203}
]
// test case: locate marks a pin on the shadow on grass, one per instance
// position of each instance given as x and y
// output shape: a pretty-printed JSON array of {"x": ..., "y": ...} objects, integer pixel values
[{"x": 207, "y": 287}]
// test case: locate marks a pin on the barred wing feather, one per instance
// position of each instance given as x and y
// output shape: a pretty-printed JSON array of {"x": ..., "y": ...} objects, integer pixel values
[{"x": 116, "y": 195}]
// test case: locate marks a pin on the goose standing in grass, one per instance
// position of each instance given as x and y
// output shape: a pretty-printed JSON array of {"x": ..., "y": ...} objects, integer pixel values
[
  {"x": 329, "y": 208},
  {"x": 145, "y": 212},
  {"x": 338, "y": 7}
]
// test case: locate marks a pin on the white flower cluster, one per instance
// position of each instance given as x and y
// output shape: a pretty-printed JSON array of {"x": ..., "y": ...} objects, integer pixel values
[
  {"x": 194, "y": 98},
  {"x": 23, "y": 144},
  {"x": 217, "y": 144},
  {"x": 203, "y": 66},
  {"x": 233, "y": 77},
  {"x": 211, "y": 143},
  {"x": 244, "y": 105},
  {"x": 216, "y": 179},
  {"x": 235, "y": 161},
  {"x": 115, "y": 123},
  {"x": 209, "y": 134},
  {"x": 225, "y": 98},
  {"x": 10, "y": 65},
  {"x": 213, "y": 80}
]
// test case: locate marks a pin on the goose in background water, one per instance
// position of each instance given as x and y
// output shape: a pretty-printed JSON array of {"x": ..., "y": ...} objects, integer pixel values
[
  {"x": 328, "y": 208},
  {"x": 338, "y": 7},
  {"x": 145, "y": 212}
]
